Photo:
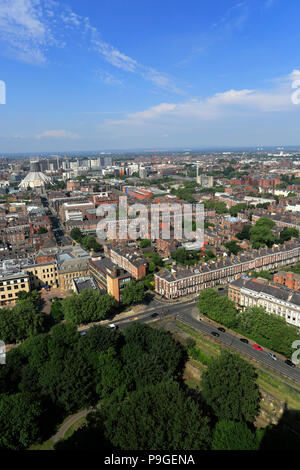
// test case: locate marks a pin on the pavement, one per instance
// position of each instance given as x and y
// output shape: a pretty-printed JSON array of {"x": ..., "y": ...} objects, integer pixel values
[
  {"x": 72, "y": 420},
  {"x": 47, "y": 296}
]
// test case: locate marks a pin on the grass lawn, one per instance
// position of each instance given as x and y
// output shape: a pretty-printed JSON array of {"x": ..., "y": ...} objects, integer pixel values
[
  {"x": 47, "y": 445},
  {"x": 74, "y": 427}
]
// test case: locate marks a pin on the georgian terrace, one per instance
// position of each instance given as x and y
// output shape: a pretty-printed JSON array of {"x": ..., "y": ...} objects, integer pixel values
[{"x": 180, "y": 280}]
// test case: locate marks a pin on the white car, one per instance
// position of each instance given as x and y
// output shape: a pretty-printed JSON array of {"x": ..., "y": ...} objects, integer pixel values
[
  {"x": 272, "y": 355},
  {"x": 112, "y": 326}
]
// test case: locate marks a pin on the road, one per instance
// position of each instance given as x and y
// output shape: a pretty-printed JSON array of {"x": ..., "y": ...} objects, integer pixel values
[{"x": 184, "y": 313}]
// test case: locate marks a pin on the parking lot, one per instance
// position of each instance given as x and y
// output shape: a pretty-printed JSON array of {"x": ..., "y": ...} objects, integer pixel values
[{"x": 47, "y": 296}]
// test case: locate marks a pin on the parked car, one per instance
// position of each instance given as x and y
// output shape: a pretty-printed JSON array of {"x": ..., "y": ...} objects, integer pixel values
[
  {"x": 113, "y": 326},
  {"x": 222, "y": 329},
  {"x": 214, "y": 333},
  {"x": 289, "y": 363},
  {"x": 272, "y": 355},
  {"x": 154, "y": 315},
  {"x": 82, "y": 333},
  {"x": 257, "y": 347},
  {"x": 244, "y": 340}
]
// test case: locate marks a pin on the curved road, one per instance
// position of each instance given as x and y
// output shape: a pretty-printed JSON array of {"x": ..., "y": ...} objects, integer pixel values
[
  {"x": 184, "y": 312},
  {"x": 72, "y": 420}
]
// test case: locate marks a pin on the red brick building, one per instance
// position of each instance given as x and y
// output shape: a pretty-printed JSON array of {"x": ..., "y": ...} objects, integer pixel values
[{"x": 288, "y": 279}]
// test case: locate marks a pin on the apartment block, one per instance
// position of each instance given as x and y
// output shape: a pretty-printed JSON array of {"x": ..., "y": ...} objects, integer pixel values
[
  {"x": 127, "y": 258},
  {"x": 10, "y": 285},
  {"x": 108, "y": 276}
]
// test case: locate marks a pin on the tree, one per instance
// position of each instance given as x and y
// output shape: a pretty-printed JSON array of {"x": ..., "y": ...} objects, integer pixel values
[
  {"x": 69, "y": 381},
  {"x": 42, "y": 230},
  {"x": 10, "y": 375},
  {"x": 233, "y": 247},
  {"x": 19, "y": 421},
  {"x": 36, "y": 350},
  {"x": 245, "y": 233},
  {"x": 209, "y": 254},
  {"x": 152, "y": 267},
  {"x": 90, "y": 243},
  {"x": 185, "y": 257},
  {"x": 155, "y": 258},
  {"x": 219, "y": 309},
  {"x": 229, "y": 387},
  {"x": 76, "y": 234},
  {"x": 133, "y": 293},
  {"x": 234, "y": 210},
  {"x": 295, "y": 269},
  {"x": 20, "y": 322},
  {"x": 56, "y": 310},
  {"x": 268, "y": 329},
  {"x": 114, "y": 380},
  {"x": 220, "y": 207},
  {"x": 34, "y": 296},
  {"x": 159, "y": 417},
  {"x": 88, "y": 306},
  {"x": 145, "y": 243},
  {"x": 230, "y": 435},
  {"x": 260, "y": 233},
  {"x": 151, "y": 355},
  {"x": 287, "y": 233},
  {"x": 100, "y": 339},
  {"x": 263, "y": 273}
]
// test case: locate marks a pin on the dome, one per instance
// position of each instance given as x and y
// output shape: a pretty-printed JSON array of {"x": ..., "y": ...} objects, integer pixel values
[{"x": 35, "y": 179}]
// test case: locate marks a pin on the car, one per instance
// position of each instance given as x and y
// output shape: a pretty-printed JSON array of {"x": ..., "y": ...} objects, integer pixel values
[
  {"x": 244, "y": 340},
  {"x": 289, "y": 363},
  {"x": 113, "y": 326},
  {"x": 272, "y": 355},
  {"x": 82, "y": 333},
  {"x": 214, "y": 333},
  {"x": 257, "y": 347},
  {"x": 154, "y": 315},
  {"x": 222, "y": 329}
]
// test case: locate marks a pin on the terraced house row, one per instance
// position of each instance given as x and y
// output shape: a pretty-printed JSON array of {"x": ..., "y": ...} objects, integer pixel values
[{"x": 180, "y": 281}]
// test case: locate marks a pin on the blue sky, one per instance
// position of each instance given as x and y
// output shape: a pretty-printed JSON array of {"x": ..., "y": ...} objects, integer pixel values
[{"x": 119, "y": 74}]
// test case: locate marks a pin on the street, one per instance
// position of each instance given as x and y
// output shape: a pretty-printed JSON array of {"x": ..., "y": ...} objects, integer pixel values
[{"x": 183, "y": 312}]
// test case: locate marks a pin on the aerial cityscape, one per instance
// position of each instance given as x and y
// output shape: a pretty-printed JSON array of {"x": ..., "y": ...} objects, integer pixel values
[{"x": 149, "y": 228}]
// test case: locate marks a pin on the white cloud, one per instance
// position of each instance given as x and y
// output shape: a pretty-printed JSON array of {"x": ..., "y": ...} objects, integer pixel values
[
  {"x": 220, "y": 105},
  {"x": 22, "y": 29},
  {"x": 235, "y": 17},
  {"x": 29, "y": 27},
  {"x": 107, "y": 78},
  {"x": 57, "y": 134},
  {"x": 115, "y": 57}
]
